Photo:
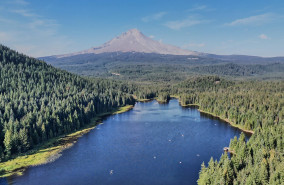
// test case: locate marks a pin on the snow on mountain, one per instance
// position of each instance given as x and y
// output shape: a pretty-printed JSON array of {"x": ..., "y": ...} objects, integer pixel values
[{"x": 134, "y": 41}]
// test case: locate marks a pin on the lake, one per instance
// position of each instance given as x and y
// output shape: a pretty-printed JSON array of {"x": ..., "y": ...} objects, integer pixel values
[{"x": 151, "y": 144}]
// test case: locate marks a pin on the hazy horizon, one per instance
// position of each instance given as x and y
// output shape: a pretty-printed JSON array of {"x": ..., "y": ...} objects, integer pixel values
[{"x": 44, "y": 28}]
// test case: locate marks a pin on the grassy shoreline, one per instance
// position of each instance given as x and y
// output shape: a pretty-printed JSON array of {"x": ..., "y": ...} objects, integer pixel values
[
  {"x": 141, "y": 100},
  {"x": 161, "y": 101},
  {"x": 50, "y": 151}
]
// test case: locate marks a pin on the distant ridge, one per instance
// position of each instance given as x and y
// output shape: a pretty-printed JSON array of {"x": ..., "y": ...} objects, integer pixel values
[
  {"x": 133, "y": 45},
  {"x": 133, "y": 41}
]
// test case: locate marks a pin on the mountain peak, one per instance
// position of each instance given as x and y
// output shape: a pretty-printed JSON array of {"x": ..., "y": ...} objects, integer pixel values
[
  {"x": 133, "y": 31},
  {"x": 135, "y": 41}
]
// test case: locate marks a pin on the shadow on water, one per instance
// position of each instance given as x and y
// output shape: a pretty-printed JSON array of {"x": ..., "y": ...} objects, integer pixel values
[
  {"x": 164, "y": 103},
  {"x": 190, "y": 107},
  {"x": 211, "y": 117}
]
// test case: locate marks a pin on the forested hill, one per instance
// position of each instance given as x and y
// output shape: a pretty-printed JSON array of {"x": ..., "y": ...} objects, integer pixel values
[
  {"x": 171, "y": 68},
  {"x": 250, "y": 105},
  {"x": 39, "y": 102}
]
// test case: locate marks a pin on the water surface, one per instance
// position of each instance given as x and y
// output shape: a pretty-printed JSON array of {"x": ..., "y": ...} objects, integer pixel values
[{"x": 151, "y": 144}]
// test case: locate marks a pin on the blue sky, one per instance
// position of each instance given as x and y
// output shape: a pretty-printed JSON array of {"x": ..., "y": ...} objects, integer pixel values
[{"x": 49, "y": 27}]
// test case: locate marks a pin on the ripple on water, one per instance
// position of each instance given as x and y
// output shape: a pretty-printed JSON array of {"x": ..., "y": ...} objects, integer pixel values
[{"x": 151, "y": 144}]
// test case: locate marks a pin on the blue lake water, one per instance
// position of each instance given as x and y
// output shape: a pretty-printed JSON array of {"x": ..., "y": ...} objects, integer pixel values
[{"x": 151, "y": 144}]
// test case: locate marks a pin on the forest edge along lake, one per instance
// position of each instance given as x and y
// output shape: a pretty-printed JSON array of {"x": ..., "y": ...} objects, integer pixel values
[
  {"x": 135, "y": 148},
  {"x": 50, "y": 151}
]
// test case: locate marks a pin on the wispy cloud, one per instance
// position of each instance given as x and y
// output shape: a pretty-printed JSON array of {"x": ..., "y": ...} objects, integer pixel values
[
  {"x": 28, "y": 32},
  {"x": 4, "y": 36},
  {"x": 5, "y": 20},
  {"x": 24, "y": 12},
  {"x": 188, "y": 22},
  {"x": 253, "y": 20},
  {"x": 154, "y": 17},
  {"x": 193, "y": 45},
  {"x": 19, "y": 2},
  {"x": 198, "y": 7},
  {"x": 263, "y": 36}
]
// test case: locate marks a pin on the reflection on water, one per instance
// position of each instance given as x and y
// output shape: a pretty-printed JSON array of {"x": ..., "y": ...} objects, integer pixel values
[{"x": 151, "y": 144}]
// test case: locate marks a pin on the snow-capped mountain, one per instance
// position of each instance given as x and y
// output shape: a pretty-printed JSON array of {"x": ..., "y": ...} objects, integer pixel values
[{"x": 134, "y": 41}]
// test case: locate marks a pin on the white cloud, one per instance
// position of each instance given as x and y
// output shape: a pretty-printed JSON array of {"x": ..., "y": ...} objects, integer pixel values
[
  {"x": 253, "y": 20},
  {"x": 178, "y": 24},
  {"x": 154, "y": 17},
  {"x": 31, "y": 33},
  {"x": 152, "y": 36},
  {"x": 263, "y": 36}
]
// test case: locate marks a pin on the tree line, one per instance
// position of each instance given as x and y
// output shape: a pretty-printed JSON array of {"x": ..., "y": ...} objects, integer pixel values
[
  {"x": 252, "y": 105},
  {"x": 39, "y": 102}
]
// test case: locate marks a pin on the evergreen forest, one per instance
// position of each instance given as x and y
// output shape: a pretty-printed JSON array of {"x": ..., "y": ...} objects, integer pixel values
[{"x": 39, "y": 102}]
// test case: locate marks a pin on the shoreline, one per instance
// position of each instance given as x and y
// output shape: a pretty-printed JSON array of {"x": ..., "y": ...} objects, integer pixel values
[
  {"x": 227, "y": 121},
  {"x": 162, "y": 101},
  {"x": 205, "y": 112},
  {"x": 52, "y": 149},
  {"x": 219, "y": 117}
]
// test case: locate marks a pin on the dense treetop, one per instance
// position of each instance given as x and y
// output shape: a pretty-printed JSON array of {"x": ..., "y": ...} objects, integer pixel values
[
  {"x": 39, "y": 102},
  {"x": 251, "y": 105}
]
